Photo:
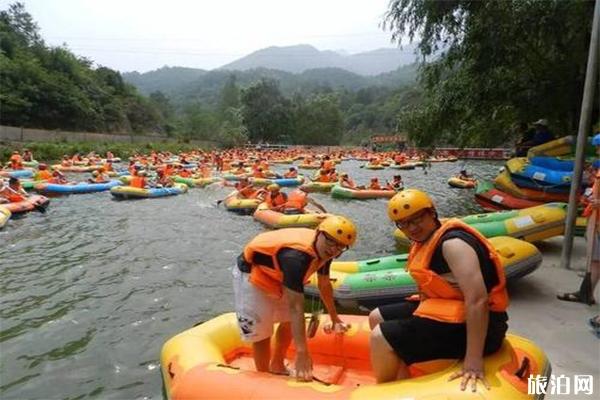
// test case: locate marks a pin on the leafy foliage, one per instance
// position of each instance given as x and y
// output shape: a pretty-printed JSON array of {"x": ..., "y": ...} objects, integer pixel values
[
  {"x": 494, "y": 63},
  {"x": 51, "y": 87}
]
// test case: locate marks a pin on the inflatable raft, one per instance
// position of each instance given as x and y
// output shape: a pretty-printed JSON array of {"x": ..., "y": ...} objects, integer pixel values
[
  {"x": 195, "y": 182},
  {"x": 210, "y": 361},
  {"x": 541, "y": 176},
  {"x": 374, "y": 166},
  {"x": 405, "y": 166},
  {"x": 247, "y": 206},
  {"x": 76, "y": 168},
  {"x": 375, "y": 282},
  {"x": 29, "y": 204},
  {"x": 504, "y": 183},
  {"x": 308, "y": 166},
  {"x": 462, "y": 183},
  {"x": 492, "y": 199},
  {"x": 322, "y": 187},
  {"x": 530, "y": 224},
  {"x": 17, "y": 173},
  {"x": 363, "y": 194},
  {"x": 4, "y": 216},
  {"x": 78, "y": 188},
  {"x": 277, "y": 220},
  {"x": 558, "y": 147},
  {"x": 130, "y": 192},
  {"x": 283, "y": 182}
]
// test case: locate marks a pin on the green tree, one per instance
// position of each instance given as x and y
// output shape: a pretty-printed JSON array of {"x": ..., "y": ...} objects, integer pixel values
[
  {"x": 230, "y": 95},
  {"x": 494, "y": 63},
  {"x": 265, "y": 112},
  {"x": 317, "y": 121}
]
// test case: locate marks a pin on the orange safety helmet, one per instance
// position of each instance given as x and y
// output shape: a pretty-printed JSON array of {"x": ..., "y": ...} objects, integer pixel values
[
  {"x": 341, "y": 229},
  {"x": 407, "y": 203}
]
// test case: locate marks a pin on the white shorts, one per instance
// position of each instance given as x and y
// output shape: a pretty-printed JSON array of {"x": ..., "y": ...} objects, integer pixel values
[{"x": 256, "y": 311}]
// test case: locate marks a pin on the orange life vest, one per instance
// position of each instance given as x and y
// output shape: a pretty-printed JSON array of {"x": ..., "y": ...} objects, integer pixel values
[
  {"x": 43, "y": 175},
  {"x": 291, "y": 174},
  {"x": 138, "y": 182},
  {"x": 269, "y": 243},
  {"x": 275, "y": 201},
  {"x": 439, "y": 299},
  {"x": 587, "y": 212},
  {"x": 297, "y": 200},
  {"x": 327, "y": 165},
  {"x": 14, "y": 198}
]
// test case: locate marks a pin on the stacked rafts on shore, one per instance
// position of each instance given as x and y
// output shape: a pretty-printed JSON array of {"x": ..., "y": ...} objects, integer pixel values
[
  {"x": 531, "y": 224},
  {"x": 543, "y": 176}
]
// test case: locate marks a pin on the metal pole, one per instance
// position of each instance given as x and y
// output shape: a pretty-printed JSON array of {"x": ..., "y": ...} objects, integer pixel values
[{"x": 585, "y": 118}]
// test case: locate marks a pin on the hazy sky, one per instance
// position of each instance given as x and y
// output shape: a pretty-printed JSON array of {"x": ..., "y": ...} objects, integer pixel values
[{"x": 143, "y": 35}]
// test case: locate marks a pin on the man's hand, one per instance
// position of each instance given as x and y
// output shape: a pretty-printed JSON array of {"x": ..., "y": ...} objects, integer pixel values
[
  {"x": 338, "y": 327},
  {"x": 472, "y": 370},
  {"x": 303, "y": 371}
]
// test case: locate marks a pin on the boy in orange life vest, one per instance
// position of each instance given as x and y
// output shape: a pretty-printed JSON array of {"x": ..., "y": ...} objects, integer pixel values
[
  {"x": 13, "y": 192},
  {"x": 375, "y": 184},
  {"x": 462, "y": 310},
  {"x": 292, "y": 173},
  {"x": 275, "y": 198},
  {"x": 268, "y": 284},
  {"x": 43, "y": 174},
  {"x": 139, "y": 180}
]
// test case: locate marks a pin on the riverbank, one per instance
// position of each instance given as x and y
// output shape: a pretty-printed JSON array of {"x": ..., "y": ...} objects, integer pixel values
[
  {"x": 44, "y": 151},
  {"x": 558, "y": 327}
]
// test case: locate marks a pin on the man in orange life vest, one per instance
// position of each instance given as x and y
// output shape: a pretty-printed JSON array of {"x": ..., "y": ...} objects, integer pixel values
[
  {"x": 462, "y": 305},
  {"x": 268, "y": 283}
]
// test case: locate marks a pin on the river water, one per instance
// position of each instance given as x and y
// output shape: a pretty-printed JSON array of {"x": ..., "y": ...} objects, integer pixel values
[{"x": 91, "y": 290}]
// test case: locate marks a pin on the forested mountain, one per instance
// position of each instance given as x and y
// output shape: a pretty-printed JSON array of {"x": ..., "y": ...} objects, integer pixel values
[
  {"x": 165, "y": 79},
  {"x": 299, "y": 58},
  {"x": 204, "y": 86}
]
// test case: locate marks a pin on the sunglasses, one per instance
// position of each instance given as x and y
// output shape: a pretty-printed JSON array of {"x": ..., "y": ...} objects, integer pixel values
[
  {"x": 331, "y": 242},
  {"x": 415, "y": 220}
]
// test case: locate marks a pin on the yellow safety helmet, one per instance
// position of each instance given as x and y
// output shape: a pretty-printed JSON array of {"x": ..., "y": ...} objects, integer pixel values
[
  {"x": 408, "y": 202},
  {"x": 273, "y": 187},
  {"x": 339, "y": 228}
]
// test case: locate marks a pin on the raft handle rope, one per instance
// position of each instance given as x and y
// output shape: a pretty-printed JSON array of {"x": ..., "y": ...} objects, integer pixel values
[{"x": 524, "y": 369}]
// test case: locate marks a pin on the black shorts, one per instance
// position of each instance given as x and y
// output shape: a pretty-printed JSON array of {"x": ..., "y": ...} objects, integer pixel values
[{"x": 416, "y": 339}]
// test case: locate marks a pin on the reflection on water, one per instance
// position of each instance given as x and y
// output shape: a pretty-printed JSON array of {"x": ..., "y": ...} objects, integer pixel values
[{"x": 91, "y": 290}]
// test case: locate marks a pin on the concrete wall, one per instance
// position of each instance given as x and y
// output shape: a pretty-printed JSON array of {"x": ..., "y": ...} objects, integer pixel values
[{"x": 16, "y": 134}]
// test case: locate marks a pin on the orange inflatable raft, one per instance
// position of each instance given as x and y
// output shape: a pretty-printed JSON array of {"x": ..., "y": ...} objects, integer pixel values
[{"x": 210, "y": 361}]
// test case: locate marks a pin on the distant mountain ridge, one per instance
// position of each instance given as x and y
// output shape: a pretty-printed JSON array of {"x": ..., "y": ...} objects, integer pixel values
[
  {"x": 185, "y": 85},
  {"x": 299, "y": 58}
]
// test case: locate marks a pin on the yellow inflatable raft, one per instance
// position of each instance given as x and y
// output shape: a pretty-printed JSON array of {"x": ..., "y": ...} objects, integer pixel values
[
  {"x": 4, "y": 216},
  {"x": 531, "y": 224},
  {"x": 558, "y": 147},
  {"x": 277, "y": 220},
  {"x": 234, "y": 203},
  {"x": 210, "y": 361},
  {"x": 322, "y": 187},
  {"x": 462, "y": 183}
]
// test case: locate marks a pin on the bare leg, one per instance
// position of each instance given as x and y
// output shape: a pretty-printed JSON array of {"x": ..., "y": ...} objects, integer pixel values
[
  {"x": 262, "y": 354},
  {"x": 375, "y": 318},
  {"x": 387, "y": 366},
  {"x": 283, "y": 338},
  {"x": 595, "y": 274}
]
